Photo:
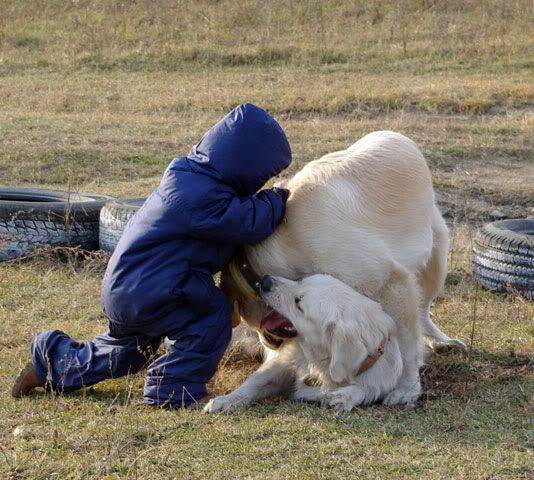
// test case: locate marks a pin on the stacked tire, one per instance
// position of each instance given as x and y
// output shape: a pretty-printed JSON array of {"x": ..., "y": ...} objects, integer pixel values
[
  {"x": 114, "y": 217},
  {"x": 31, "y": 217},
  {"x": 503, "y": 256}
]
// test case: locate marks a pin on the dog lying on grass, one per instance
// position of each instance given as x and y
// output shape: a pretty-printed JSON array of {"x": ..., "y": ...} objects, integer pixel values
[
  {"x": 348, "y": 341},
  {"x": 345, "y": 342}
]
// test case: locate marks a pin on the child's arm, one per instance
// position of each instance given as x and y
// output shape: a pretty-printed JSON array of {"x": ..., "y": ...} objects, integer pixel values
[{"x": 240, "y": 220}]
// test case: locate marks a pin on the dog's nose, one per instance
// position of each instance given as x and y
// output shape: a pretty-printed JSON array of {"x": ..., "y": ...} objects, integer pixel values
[{"x": 267, "y": 283}]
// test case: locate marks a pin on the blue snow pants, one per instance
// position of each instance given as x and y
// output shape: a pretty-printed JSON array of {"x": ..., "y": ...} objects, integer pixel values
[{"x": 174, "y": 379}]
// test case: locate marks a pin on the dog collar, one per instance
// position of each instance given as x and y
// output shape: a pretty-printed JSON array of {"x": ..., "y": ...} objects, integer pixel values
[
  {"x": 247, "y": 281},
  {"x": 372, "y": 358}
]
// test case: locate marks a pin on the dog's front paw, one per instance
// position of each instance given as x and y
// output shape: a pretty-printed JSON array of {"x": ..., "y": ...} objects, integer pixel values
[
  {"x": 403, "y": 395},
  {"x": 224, "y": 403},
  {"x": 345, "y": 398},
  {"x": 305, "y": 393}
]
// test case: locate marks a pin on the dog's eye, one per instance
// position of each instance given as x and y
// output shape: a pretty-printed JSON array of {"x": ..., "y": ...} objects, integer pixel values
[{"x": 297, "y": 303}]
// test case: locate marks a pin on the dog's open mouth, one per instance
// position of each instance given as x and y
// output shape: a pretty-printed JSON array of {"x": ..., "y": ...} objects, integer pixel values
[{"x": 278, "y": 325}]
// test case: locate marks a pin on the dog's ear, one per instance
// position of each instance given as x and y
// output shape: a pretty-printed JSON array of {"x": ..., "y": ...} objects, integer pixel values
[
  {"x": 347, "y": 353},
  {"x": 352, "y": 337}
]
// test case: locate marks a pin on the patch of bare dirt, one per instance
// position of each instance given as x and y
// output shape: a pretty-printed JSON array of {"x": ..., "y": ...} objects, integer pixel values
[
  {"x": 491, "y": 186},
  {"x": 460, "y": 377}
]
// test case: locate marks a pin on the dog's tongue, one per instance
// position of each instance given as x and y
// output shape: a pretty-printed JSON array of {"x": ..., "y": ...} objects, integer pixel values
[{"x": 274, "y": 321}]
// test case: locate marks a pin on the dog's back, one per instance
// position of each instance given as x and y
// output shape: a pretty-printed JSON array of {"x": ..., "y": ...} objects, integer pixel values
[{"x": 371, "y": 200}]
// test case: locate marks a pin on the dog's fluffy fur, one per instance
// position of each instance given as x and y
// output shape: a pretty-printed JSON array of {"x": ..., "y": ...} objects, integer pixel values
[
  {"x": 338, "y": 329},
  {"x": 367, "y": 216}
]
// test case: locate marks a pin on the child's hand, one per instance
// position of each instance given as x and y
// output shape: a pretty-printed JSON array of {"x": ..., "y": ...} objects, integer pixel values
[{"x": 281, "y": 183}]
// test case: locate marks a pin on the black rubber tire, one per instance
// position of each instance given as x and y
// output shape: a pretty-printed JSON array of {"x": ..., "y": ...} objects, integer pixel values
[
  {"x": 30, "y": 217},
  {"x": 113, "y": 219},
  {"x": 503, "y": 256}
]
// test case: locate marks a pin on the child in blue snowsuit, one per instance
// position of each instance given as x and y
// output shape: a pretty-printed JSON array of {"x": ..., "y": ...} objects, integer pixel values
[{"x": 159, "y": 282}]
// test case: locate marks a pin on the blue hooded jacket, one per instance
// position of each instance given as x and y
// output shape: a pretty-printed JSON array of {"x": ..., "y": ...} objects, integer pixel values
[{"x": 188, "y": 228}]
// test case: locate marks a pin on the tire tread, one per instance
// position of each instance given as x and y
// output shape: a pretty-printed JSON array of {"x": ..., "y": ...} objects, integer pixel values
[
  {"x": 503, "y": 259},
  {"x": 114, "y": 217}
]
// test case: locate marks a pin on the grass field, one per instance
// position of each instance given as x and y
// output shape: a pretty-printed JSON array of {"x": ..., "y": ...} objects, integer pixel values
[{"x": 100, "y": 95}]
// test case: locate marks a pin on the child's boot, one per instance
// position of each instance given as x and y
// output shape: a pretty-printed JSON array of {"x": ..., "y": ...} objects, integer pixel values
[{"x": 26, "y": 381}]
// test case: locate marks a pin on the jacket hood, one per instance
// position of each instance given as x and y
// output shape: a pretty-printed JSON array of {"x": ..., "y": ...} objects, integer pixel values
[{"x": 243, "y": 150}]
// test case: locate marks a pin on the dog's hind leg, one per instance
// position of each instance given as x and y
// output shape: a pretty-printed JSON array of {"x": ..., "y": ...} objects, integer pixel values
[
  {"x": 400, "y": 299},
  {"x": 431, "y": 280}
]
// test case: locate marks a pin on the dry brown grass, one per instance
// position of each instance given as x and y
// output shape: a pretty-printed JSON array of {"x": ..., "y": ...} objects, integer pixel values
[
  {"x": 103, "y": 94},
  {"x": 470, "y": 422},
  {"x": 100, "y": 95},
  {"x": 135, "y": 35}
]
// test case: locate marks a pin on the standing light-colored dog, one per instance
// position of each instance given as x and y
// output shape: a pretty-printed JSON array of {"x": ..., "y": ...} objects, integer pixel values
[{"x": 368, "y": 217}]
